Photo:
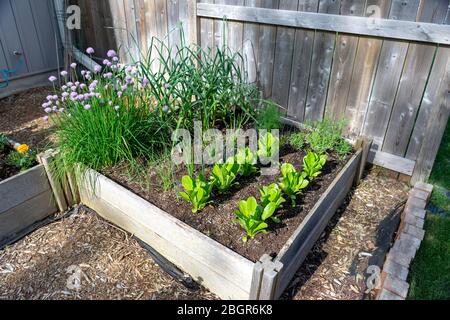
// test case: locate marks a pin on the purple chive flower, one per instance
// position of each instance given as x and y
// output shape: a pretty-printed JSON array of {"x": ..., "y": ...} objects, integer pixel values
[
  {"x": 145, "y": 82},
  {"x": 124, "y": 87},
  {"x": 108, "y": 75},
  {"x": 73, "y": 65},
  {"x": 97, "y": 69},
  {"x": 87, "y": 106},
  {"x": 48, "y": 110},
  {"x": 90, "y": 50},
  {"x": 105, "y": 62},
  {"x": 70, "y": 83},
  {"x": 167, "y": 85},
  {"x": 61, "y": 109},
  {"x": 111, "y": 54},
  {"x": 77, "y": 83},
  {"x": 52, "y": 79},
  {"x": 119, "y": 93},
  {"x": 165, "y": 109},
  {"x": 82, "y": 86},
  {"x": 55, "y": 108},
  {"x": 55, "y": 97},
  {"x": 65, "y": 94},
  {"x": 64, "y": 87},
  {"x": 73, "y": 95},
  {"x": 115, "y": 59},
  {"x": 110, "y": 103},
  {"x": 64, "y": 73},
  {"x": 49, "y": 97},
  {"x": 73, "y": 88},
  {"x": 106, "y": 87},
  {"x": 86, "y": 96},
  {"x": 45, "y": 118},
  {"x": 83, "y": 72},
  {"x": 116, "y": 108}
]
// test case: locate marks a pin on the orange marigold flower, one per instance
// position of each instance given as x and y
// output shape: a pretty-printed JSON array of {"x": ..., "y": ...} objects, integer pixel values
[{"x": 23, "y": 148}]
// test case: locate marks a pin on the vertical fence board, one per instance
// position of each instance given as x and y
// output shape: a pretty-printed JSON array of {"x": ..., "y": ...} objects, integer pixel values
[
  {"x": 322, "y": 57},
  {"x": 236, "y": 29},
  {"x": 206, "y": 30},
  {"x": 301, "y": 64},
  {"x": 173, "y": 18},
  {"x": 364, "y": 70},
  {"x": 283, "y": 58},
  {"x": 250, "y": 45},
  {"x": 390, "y": 66},
  {"x": 343, "y": 62},
  {"x": 266, "y": 52}
]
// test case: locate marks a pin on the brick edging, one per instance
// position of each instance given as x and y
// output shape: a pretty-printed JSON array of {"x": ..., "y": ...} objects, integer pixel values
[{"x": 394, "y": 285}]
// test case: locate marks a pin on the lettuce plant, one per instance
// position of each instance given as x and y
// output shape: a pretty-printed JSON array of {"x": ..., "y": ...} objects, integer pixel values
[
  {"x": 247, "y": 161},
  {"x": 272, "y": 193},
  {"x": 252, "y": 217},
  {"x": 268, "y": 145},
  {"x": 223, "y": 176},
  {"x": 292, "y": 182},
  {"x": 196, "y": 191},
  {"x": 313, "y": 163}
]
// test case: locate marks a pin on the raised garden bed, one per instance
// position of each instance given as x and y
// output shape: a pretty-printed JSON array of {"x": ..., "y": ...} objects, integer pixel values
[{"x": 229, "y": 269}]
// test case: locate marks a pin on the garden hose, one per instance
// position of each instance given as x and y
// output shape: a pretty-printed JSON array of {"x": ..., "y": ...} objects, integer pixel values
[{"x": 6, "y": 72}]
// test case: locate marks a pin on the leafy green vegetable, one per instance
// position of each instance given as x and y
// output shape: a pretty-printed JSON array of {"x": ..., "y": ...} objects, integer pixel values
[
  {"x": 247, "y": 161},
  {"x": 313, "y": 163},
  {"x": 268, "y": 145},
  {"x": 292, "y": 182},
  {"x": 223, "y": 176},
  {"x": 252, "y": 217},
  {"x": 271, "y": 193},
  {"x": 3, "y": 142},
  {"x": 197, "y": 192},
  {"x": 22, "y": 161}
]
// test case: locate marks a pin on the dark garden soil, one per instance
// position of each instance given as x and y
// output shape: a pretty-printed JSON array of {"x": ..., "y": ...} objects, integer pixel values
[
  {"x": 6, "y": 171},
  {"x": 216, "y": 220}
]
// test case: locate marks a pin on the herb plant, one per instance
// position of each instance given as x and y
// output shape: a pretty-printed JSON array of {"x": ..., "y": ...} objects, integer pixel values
[
  {"x": 196, "y": 191},
  {"x": 22, "y": 160},
  {"x": 313, "y": 163},
  {"x": 3, "y": 142},
  {"x": 246, "y": 159},
  {"x": 252, "y": 217},
  {"x": 292, "y": 182},
  {"x": 272, "y": 193},
  {"x": 269, "y": 117},
  {"x": 326, "y": 136},
  {"x": 223, "y": 176},
  {"x": 297, "y": 140}
]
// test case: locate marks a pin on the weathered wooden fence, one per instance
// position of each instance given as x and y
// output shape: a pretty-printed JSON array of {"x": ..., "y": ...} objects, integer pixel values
[{"x": 384, "y": 65}]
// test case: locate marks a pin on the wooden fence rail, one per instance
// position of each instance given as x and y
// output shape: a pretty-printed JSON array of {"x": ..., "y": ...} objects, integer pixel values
[{"x": 383, "y": 65}]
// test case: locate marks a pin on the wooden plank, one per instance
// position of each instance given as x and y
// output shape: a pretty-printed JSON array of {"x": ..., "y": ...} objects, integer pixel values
[
  {"x": 364, "y": 71},
  {"x": 26, "y": 213},
  {"x": 256, "y": 281},
  {"x": 161, "y": 20},
  {"x": 141, "y": 27},
  {"x": 412, "y": 83},
  {"x": 324, "y": 43},
  {"x": 43, "y": 18},
  {"x": 46, "y": 159},
  {"x": 173, "y": 18},
  {"x": 301, "y": 64},
  {"x": 364, "y": 144},
  {"x": 21, "y": 187},
  {"x": 391, "y": 162},
  {"x": 434, "y": 132},
  {"x": 220, "y": 28},
  {"x": 206, "y": 30},
  {"x": 402, "y": 30},
  {"x": 434, "y": 93},
  {"x": 266, "y": 52},
  {"x": 120, "y": 29},
  {"x": 192, "y": 23},
  {"x": 390, "y": 66},
  {"x": 185, "y": 19},
  {"x": 237, "y": 269},
  {"x": 208, "y": 276},
  {"x": 132, "y": 30},
  {"x": 302, "y": 240},
  {"x": 343, "y": 62},
  {"x": 283, "y": 59},
  {"x": 250, "y": 45}
]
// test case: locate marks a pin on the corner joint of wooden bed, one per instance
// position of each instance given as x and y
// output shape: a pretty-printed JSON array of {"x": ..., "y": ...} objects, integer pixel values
[
  {"x": 265, "y": 278},
  {"x": 364, "y": 144}
]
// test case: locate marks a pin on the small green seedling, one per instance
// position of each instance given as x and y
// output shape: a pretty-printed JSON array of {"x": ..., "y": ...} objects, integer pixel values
[
  {"x": 22, "y": 161},
  {"x": 272, "y": 193},
  {"x": 313, "y": 163},
  {"x": 223, "y": 176},
  {"x": 3, "y": 142},
  {"x": 247, "y": 161},
  {"x": 251, "y": 217},
  {"x": 197, "y": 192},
  {"x": 268, "y": 146},
  {"x": 292, "y": 182}
]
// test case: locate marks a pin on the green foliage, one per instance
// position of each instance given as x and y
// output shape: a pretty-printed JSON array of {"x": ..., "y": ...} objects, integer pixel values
[
  {"x": 327, "y": 136},
  {"x": 313, "y": 163},
  {"x": 269, "y": 117},
  {"x": 3, "y": 142},
  {"x": 268, "y": 145},
  {"x": 247, "y": 161},
  {"x": 197, "y": 192},
  {"x": 297, "y": 140},
  {"x": 223, "y": 176},
  {"x": 272, "y": 193},
  {"x": 22, "y": 161},
  {"x": 252, "y": 217},
  {"x": 292, "y": 182}
]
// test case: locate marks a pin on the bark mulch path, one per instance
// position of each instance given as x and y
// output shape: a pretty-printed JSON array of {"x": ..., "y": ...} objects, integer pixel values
[
  {"x": 21, "y": 117},
  {"x": 358, "y": 236},
  {"x": 107, "y": 260}
]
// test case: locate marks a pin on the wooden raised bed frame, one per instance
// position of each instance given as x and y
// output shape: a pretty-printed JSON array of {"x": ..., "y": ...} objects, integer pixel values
[{"x": 221, "y": 270}]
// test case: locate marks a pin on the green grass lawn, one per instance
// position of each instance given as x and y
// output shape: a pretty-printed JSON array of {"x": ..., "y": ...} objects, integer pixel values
[{"x": 430, "y": 271}]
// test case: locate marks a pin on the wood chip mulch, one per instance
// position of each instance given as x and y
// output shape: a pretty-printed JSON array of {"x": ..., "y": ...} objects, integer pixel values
[
  {"x": 358, "y": 236},
  {"x": 109, "y": 262}
]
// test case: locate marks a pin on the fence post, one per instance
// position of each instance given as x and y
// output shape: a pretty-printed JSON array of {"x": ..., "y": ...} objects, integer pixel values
[{"x": 193, "y": 23}]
